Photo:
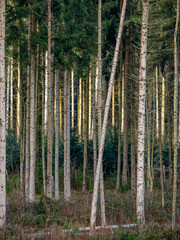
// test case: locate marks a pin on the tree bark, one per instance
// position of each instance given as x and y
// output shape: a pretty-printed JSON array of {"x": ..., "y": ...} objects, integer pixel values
[
  {"x": 105, "y": 120},
  {"x": 2, "y": 118},
  {"x": 141, "y": 115},
  {"x": 175, "y": 130}
]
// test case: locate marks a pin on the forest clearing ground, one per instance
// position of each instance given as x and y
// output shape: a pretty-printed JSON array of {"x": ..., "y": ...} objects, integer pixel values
[{"x": 48, "y": 218}]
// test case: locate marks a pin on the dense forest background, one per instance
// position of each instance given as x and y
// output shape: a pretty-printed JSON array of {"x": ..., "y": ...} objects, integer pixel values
[{"x": 59, "y": 62}]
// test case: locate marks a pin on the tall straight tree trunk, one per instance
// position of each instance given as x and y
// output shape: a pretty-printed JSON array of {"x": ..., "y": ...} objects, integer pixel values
[
  {"x": 105, "y": 120},
  {"x": 7, "y": 93},
  {"x": 141, "y": 115},
  {"x": 57, "y": 196},
  {"x": 46, "y": 93},
  {"x": 125, "y": 132},
  {"x": 32, "y": 123},
  {"x": 11, "y": 98},
  {"x": 103, "y": 216},
  {"x": 132, "y": 120},
  {"x": 61, "y": 102},
  {"x": 18, "y": 117},
  {"x": 157, "y": 104},
  {"x": 79, "y": 107},
  {"x": 90, "y": 105},
  {"x": 72, "y": 96},
  {"x": 50, "y": 110},
  {"x": 43, "y": 131},
  {"x": 113, "y": 99},
  {"x": 94, "y": 121},
  {"x": 175, "y": 130},
  {"x": 160, "y": 146},
  {"x": 163, "y": 107},
  {"x": 2, "y": 118},
  {"x": 120, "y": 121},
  {"x": 85, "y": 128},
  {"x": 67, "y": 182},
  {"x": 27, "y": 157}
]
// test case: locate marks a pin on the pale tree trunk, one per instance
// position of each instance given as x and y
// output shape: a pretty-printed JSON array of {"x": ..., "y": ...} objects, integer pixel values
[
  {"x": 79, "y": 106},
  {"x": 7, "y": 93},
  {"x": 32, "y": 124},
  {"x": 27, "y": 157},
  {"x": 120, "y": 121},
  {"x": 46, "y": 93},
  {"x": 72, "y": 96},
  {"x": 132, "y": 121},
  {"x": 162, "y": 107},
  {"x": 2, "y": 118},
  {"x": 157, "y": 104},
  {"x": 122, "y": 105},
  {"x": 50, "y": 110},
  {"x": 125, "y": 132},
  {"x": 67, "y": 182},
  {"x": 43, "y": 131},
  {"x": 85, "y": 128},
  {"x": 90, "y": 106},
  {"x": 160, "y": 148},
  {"x": 11, "y": 99},
  {"x": 105, "y": 120},
  {"x": 94, "y": 121},
  {"x": 18, "y": 111},
  {"x": 103, "y": 216},
  {"x": 60, "y": 103},
  {"x": 57, "y": 196},
  {"x": 141, "y": 115},
  {"x": 175, "y": 142},
  {"x": 22, "y": 142}
]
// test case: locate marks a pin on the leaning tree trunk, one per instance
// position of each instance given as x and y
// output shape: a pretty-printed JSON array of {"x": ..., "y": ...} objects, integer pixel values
[
  {"x": 2, "y": 118},
  {"x": 105, "y": 120},
  {"x": 141, "y": 115},
  {"x": 175, "y": 142}
]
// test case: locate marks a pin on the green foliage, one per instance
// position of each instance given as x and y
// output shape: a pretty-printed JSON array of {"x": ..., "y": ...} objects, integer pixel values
[{"x": 12, "y": 151}]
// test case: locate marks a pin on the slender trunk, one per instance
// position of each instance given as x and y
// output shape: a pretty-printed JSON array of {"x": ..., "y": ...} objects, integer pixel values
[
  {"x": 90, "y": 104},
  {"x": 50, "y": 110},
  {"x": 162, "y": 107},
  {"x": 113, "y": 99},
  {"x": 2, "y": 118},
  {"x": 32, "y": 124},
  {"x": 11, "y": 100},
  {"x": 105, "y": 120},
  {"x": 72, "y": 96},
  {"x": 160, "y": 147},
  {"x": 157, "y": 104},
  {"x": 67, "y": 182},
  {"x": 18, "y": 117},
  {"x": 125, "y": 135},
  {"x": 43, "y": 132},
  {"x": 175, "y": 137},
  {"x": 60, "y": 103},
  {"x": 57, "y": 136},
  {"x": 7, "y": 94},
  {"x": 94, "y": 122},
  {"x": 79, "y": 107},
  {"x": 46, "y": 93},
  {"x": 120, "y": 121},
  {"x": 141, "y": 115},
  {"x": 27, "y": 160},
  {"x": 85, "y": 129}
]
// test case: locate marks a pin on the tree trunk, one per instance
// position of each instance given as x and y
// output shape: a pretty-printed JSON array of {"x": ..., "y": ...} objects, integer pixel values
[
  {"x": 7, "y": 93},
  {"x": 67, "y": 182},
  {"x": 126, "y": 122},
  {"x": 72, "y": 96},
  {"x": 57, "y": 136},
  {"x": 2, "y": 118},
  {"x": 11, "y": 100},
  {"x": 120, "y": 121},
  {"x": 27, "y": 158},
  {"x": 157, "y": 104},
  {"x": 32, "y": 124},
  {"x": 18, "y": 112},
  {"x": 175, "y": 142},
  {"x": 79, "y": 107},
  {"x": 105, "y": 120},
  {"x": 90, "y": 104},
  {"x": 141, "y": 115}
]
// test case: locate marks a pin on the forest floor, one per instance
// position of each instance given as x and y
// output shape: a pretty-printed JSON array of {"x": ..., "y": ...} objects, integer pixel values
[{"x": 46, "y": 218}]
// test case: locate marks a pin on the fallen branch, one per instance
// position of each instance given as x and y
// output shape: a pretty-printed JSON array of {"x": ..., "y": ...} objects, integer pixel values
[{"x": 85, "y": 229}]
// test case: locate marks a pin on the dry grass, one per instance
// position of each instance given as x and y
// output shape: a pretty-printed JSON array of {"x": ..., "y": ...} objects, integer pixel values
[{"x": 50, "y": 217}]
